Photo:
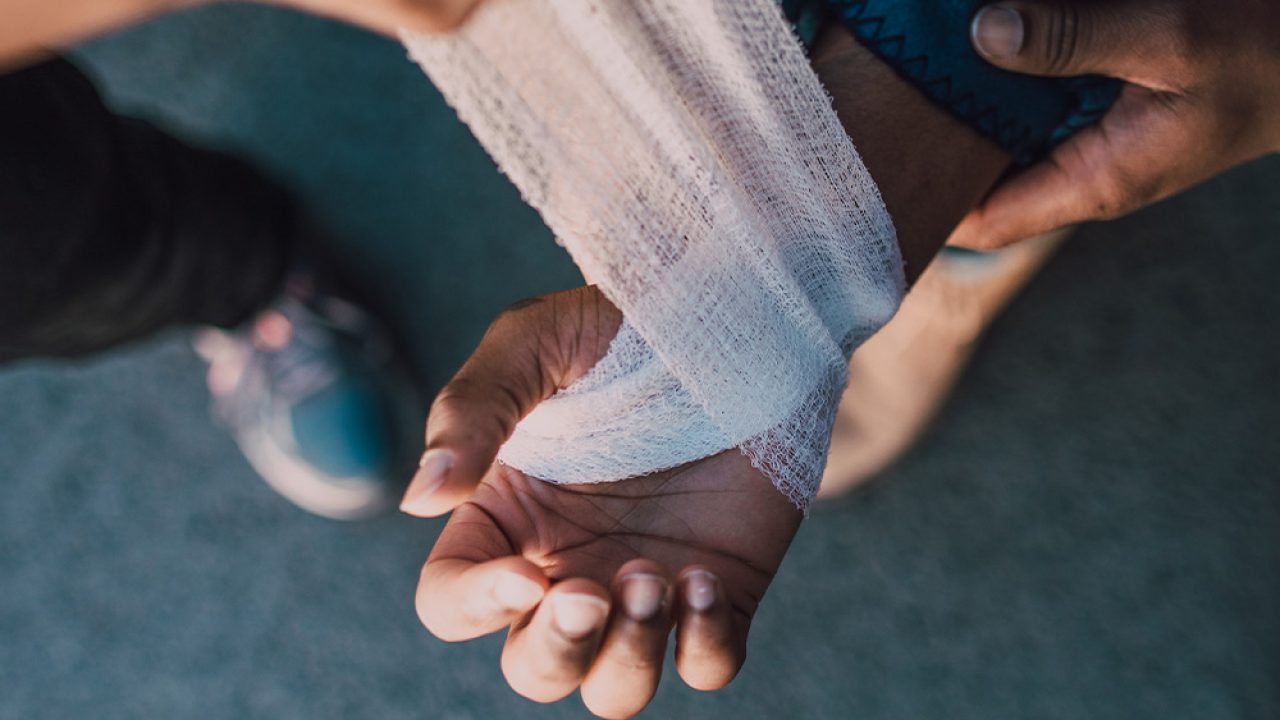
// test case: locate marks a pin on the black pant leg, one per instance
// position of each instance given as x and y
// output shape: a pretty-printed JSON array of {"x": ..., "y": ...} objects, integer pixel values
[{"x": 111, "y": 229}]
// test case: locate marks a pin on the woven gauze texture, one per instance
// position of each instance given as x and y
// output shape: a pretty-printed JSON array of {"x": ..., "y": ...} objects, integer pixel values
[{"x": 691, "y": 163}]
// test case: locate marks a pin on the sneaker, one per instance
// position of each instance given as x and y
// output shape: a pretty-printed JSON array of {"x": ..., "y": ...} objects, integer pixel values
[
  {"x": 899, "y": 378},
  {"x": 303, "y": 389}
]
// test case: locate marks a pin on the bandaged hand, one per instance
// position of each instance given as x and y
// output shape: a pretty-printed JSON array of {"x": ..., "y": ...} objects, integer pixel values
[
  {"x": 1203, "y": 96},
  {"x": 591, "y": 579}
]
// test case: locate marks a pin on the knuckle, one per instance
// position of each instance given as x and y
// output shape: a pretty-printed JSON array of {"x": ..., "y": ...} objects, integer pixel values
[
  {"x": 457, "y": 409},
  {"x": 473, "y": 399},
  {"x": 1121, "y": 193},
  {"x": 460, "y": 390},
  {"x": 1064, "y": 30},
  {"x": 518, "y": 307}
]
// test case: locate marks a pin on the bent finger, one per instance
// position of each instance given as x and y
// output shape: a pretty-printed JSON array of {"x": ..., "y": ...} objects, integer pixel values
[
  {"x": 548, "y": 653},
  {"x": 1040, "y": 199},
  {"x": 460, "y": 600},
  {"x": 474, "y": 581},
  {"x": 709, "y": 652},
  {"x": 1142, "y": 151},
  {"x": 628, "y": 668}
]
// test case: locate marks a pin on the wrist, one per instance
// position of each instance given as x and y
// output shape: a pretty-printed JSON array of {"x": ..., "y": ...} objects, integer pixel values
[{"x": 930, "y": 168}]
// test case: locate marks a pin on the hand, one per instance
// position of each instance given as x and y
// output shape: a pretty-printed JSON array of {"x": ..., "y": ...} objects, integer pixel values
[
  {"x": 1203, "y": 96},
  {"x": 591, "y": 579},
  {"x": 388, "y": 16}
]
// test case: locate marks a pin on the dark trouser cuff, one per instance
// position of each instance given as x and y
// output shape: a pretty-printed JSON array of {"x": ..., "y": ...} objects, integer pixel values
[{"x": 111, "y": 229}]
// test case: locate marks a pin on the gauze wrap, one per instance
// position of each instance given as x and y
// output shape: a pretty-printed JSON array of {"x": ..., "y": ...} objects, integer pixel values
[{"x": 691, "y": 163}]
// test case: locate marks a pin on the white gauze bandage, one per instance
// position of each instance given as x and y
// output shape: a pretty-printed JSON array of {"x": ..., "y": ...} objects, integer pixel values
[{"x": 691, "y": 163}]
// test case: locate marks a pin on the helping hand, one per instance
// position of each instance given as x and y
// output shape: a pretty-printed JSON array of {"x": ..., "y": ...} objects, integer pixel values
[
  {"x": 1203, "y": 95},
  {"x": 590, "y": 578}
]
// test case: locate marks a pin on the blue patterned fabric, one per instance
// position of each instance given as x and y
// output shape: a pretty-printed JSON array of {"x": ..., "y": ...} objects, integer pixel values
[{"x": 927, "y": 43}]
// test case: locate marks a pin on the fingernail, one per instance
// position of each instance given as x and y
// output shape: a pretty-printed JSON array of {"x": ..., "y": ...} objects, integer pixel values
[
  {"x": 699, "y": 590},
  {"x": 516, "y": 592},
  {"x": 997, "y": 32},
  {"x": 642, "y": 595},
  {"x": 432, "y": 471},
  {"x": 577, "y": 615}
]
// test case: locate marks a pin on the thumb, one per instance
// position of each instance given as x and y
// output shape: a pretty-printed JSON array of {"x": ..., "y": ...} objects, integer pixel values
[
  {"x": 531, "y": 350},
  {"x": 1061, "y": 38},
  {"x": 1137, "y": 155}
]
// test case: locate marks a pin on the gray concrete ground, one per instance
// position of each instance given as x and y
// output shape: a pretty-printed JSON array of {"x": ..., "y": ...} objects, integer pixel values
[{"x": 1091, "y": 530}]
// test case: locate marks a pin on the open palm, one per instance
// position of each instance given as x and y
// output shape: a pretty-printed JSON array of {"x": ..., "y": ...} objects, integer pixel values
[{"x": 591, "y": 579}]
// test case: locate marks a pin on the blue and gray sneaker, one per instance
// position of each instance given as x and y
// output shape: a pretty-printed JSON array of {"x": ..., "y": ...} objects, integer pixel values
[{"x": 304, "y": 390}]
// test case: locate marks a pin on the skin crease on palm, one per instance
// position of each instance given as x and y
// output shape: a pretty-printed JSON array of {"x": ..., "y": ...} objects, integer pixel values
[
  {"x": 718, "y": 520},
  {"x": 717, "y": 526},
  {"x": 719, "y": 516},
  {"x": 520, "y": 551}
]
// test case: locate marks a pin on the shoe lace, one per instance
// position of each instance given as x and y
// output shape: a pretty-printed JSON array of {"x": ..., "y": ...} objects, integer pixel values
[{"x": 306, "y": 364}]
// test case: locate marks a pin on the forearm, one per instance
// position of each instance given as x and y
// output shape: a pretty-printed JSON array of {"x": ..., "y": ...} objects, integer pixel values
[{"x": 930, "y": 168}]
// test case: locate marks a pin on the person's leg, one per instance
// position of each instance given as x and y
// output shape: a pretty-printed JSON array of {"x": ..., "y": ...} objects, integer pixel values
[
  {"x": 902, "y": 376},
  {"x": 111, "y": 229}
]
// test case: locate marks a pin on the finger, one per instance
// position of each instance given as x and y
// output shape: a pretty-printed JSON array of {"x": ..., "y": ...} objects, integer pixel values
[
  {"x": 1124, "y": 39},
  {"x": 473, "y": 583},
  {"x": 531, "y": 350},
  {"x": 708, "y": 651},
  {"x": 1138, "y": 154},
  {"x": 548, "y": 653},
  {"x": 458, "y": 600},
  {"x": 1040, "y": 199},
  {"x": 629, "y": 665}
]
